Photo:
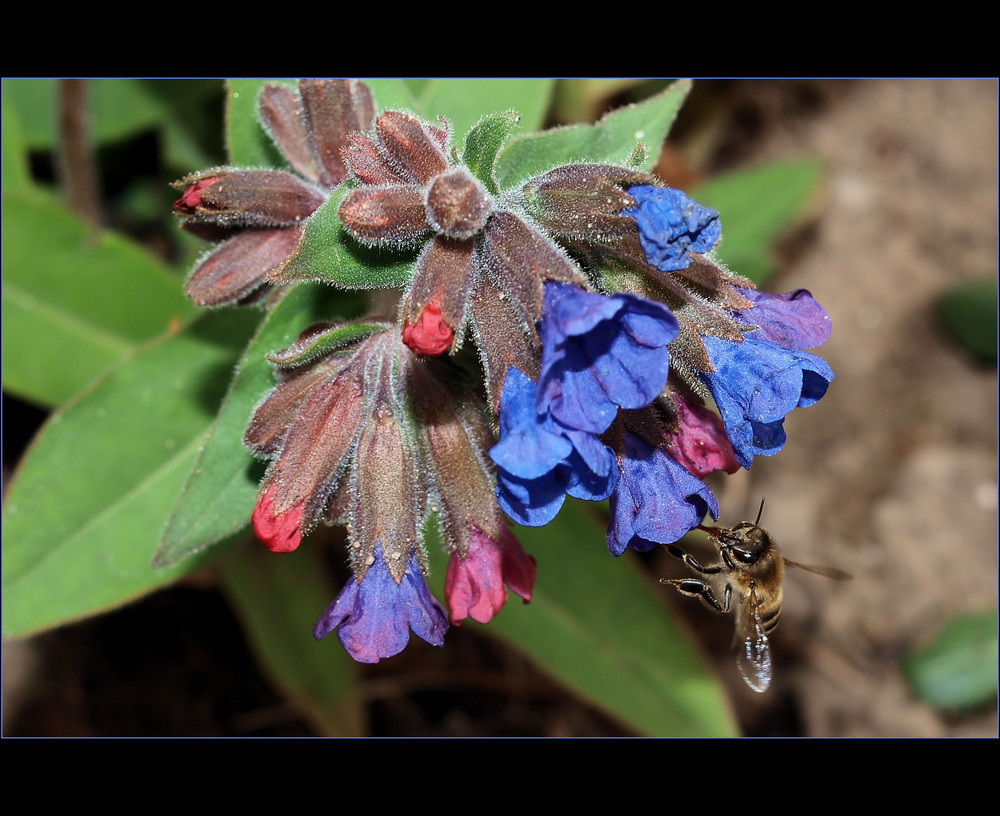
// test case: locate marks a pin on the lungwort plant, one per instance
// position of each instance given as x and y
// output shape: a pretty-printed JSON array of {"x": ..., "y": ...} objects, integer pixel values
[{"x": 427, "y": 323}]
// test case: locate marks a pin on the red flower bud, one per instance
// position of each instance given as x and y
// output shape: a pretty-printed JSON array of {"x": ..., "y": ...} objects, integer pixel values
[
  {"x": 430, "y": 335},
  {"x": 191, "y": 200},
  {"x": 280, "y": 532}
]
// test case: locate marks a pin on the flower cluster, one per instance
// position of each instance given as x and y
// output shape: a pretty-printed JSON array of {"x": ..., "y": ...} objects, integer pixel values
[
  {"x": 602, "y": 323},
  {"x": 259, "y": 215}
]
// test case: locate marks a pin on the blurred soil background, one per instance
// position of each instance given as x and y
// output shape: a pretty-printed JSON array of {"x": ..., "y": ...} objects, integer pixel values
[{"x": 892, "y": 476}]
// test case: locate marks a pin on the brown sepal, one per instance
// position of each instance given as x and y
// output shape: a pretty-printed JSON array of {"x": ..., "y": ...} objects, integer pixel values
[
  {"x": 390, "y": 213},
  {"x": 276, "y": 415},
  {"x": 369, "y": 164},
  {"x": 251, "y": 198},
  {"x": 458, "y": 204},
  {"x": 415, "y": 146},
  {"x": 389, "y": 496},
  {"x": 504, "y": 339},
  {"x": 284, "y": 118},
  {"x": 334, "y": 108},
  {"x": 445, "y": 273},
  {"x": 241, "y": 265},
  {"x": 519, "y": 259},
  {"x": 584, "y": 201},
  {"x": 455, "y": 435}
]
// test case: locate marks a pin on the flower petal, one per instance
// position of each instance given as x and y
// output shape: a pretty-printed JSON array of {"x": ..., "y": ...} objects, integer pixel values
[
  {"x": 793, "y": 320},
  {"x": 756, "y": 383},
  {"x": 671, "y": 225},
  {"x": 601, "y": 353},
  {"x": 657, "y": 500},
  {"x": 475, "y": 582},
  {"x": 700, "y": 442},
  {"x": 375, "y": 614}
]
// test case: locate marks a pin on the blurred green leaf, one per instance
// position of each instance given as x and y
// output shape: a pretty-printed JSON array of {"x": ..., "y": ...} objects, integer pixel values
[
  {"x": 391, "y": 93},
  {"x": 581, "y": 99},
  {"x": 74, "y": 301},
  {"x": 279, "y": 598},
  {"x": 969, "y": 311},
  {"x": 757, "y": 206},
  {"x": 222, "y": 487},
  {"x": 958, "y": 669},
  {"x": 601, "y": 628},
  {"x": 417, "y": 84},
  {"x": 612, "y": 139},
  {"x": 34, "y": 99},
  {"x": 329, "y": 253},
  {"x": 463, "y": 101},
  {"x": 120, "y": 107},
  {"x": 16, "y": 175},
  {"x": 249, "y": 144},
  {"x": 89, "y": 502}
]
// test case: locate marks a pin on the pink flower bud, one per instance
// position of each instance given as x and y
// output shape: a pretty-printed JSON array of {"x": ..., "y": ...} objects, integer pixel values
[
  {"x": 280, "y": 532},
  {"x": 191, "y": 199},
  {"x": 430, "y": 335}
]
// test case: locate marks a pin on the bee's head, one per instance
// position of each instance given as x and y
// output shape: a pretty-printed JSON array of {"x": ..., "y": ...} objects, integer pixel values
[{"x": 743, "y": 545}]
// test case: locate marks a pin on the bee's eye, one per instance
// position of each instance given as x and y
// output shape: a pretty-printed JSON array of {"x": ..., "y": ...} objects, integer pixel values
[{"x": 745, "y": 556}]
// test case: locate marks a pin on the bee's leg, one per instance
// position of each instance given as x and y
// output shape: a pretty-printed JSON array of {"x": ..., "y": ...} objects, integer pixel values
[
  {"x": 699, "y": 589},
  {"x": 691, "y": 561}
]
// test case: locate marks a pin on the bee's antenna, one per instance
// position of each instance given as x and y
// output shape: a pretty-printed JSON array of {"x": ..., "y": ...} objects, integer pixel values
[{"x": 761, "y": 511}]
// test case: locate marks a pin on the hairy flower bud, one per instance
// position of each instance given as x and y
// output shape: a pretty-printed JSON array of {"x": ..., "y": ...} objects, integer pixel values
[
  {"x": 430, "y": 334},
  {"x": 458, "y": 204}
]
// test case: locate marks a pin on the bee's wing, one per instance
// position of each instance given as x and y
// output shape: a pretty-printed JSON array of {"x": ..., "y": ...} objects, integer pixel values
[
  {"x": 754, "y": 656},
  {"x": 829, "y": 572}
]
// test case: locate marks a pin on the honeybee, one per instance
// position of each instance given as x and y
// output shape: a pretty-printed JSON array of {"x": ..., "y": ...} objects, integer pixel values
[{"x": 754, "y": 568}]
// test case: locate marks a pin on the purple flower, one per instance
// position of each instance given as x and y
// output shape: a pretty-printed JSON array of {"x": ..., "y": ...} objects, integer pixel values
[
  {"x": 539, "y": 460},
  {"x": 671, "y": 225},
  {"x": 600, "y": 353},
  {"x": 756, "y": 383},
  {"x": 793, "y": 320},
  {"x": 375, "y": 614},
  {"x": 657, "y": 500}
]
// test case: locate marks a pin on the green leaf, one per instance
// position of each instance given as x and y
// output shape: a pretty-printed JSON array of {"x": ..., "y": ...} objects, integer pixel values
[
  {"x": 598, "y": 626},
  {"x": 74, "y": 300},
  {"x": 87, "y": 506},
  {"x": 391, "y": 94},
  {"x": 969, "y": 311},
  {"x": 319, "y": 344},
  {"x": 279, "y": 598},
  {"x": 222, "y": 487},
  {"x": 249, "y": 144},
  {"x": 34, "y": 99},
  {"x": 958, "y": 669},
  {"x": 483, "y": 143},
  {"x": 757, "y": 206},
  {"x": 612, "y": 139},
  {"x": 329, "y": 253},
  {"x": 15, "y": 168},
  {"x": 120, "y": 107},
  {"x": 582, "y": 99},
  {"x": 463, "y": 100}
]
